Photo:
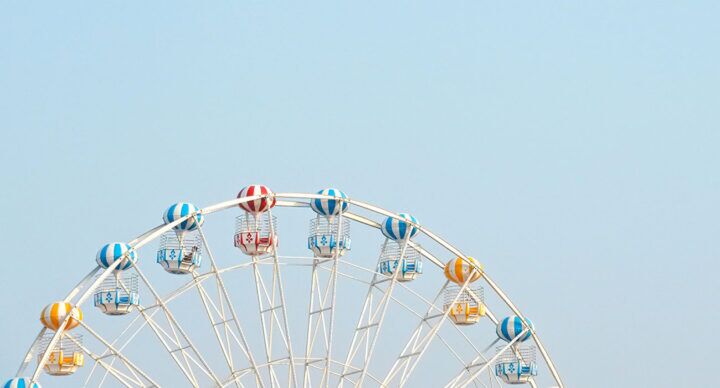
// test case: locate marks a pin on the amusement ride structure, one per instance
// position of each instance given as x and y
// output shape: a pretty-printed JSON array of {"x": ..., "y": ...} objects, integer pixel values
[{"x": 465, "y": 332}]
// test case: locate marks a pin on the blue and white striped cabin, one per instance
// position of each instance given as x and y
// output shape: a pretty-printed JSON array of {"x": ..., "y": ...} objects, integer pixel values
[
  {"x": 117, "y": 295},
  {"x": 516, "y": 365},
  {"x": 410, "y": 266},
  {"x": 180, "y": 257},
  {"x": 327, "y": 235}
]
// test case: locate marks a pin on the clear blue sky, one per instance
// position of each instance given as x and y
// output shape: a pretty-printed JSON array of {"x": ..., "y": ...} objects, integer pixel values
[{"x": 578, "y": 144}]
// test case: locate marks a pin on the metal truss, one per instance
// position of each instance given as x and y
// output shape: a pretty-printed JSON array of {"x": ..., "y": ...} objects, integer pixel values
[
  {"x": 113, "y": 352},
  {"x": 427, "y": 323},
  {"x": 421, "y": 338},
  {"x": 321, "y": 314},
  {"x": 225, "y": 323},
  {"x": 273, "y": 315},
  {"x": 178, "y": 345},
  {"x": 372, "y": 317},
  {"x": 462, "y": 381},
  {"x": 193, "y": 283}
]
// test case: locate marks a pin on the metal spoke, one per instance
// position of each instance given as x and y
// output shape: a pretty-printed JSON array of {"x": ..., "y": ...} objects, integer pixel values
[
  {"x": 492, "y": 359},
  {"x": 419, "y": 316},
  {"x": 134, "y": 369},
  {"x": 131, "y": 366},
  {"x": 174, "y": 326},
  {"x": 121, "y": 348},
  {"x": 273, "y": 312},
  {"x": 170, "y": 297},
  {"x": 170, "y": 347},
  {"x": 224, "y": 320},
  {"x": 30, "y": 352},
  {"x": 480, "y": 359},
  {"x": 536, "y": 338},
  {"x": 121, "y": 377},
  {"x": 367, "y": 330},
  {"x": 420, "y": 340},
  {"x": 325, "y": 296},
  {"x": 58, "y": 333}
]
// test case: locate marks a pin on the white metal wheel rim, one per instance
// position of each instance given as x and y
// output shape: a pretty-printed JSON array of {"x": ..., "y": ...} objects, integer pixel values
[{"x": 284, "y": 200}]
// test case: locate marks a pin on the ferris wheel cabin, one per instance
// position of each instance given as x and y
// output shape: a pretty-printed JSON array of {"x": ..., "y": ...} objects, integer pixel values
[
  {"x": 329, "y": 232},
  {"x": 329, "y": 237},
  {"x": 180, "y": 254},
  {"x": 255, "y": 230},
  {"x": 468, "y": 306},
  {"x": 517, "y": 365},
  {"x": 66, "y": 356},
  {"x": 465, "y": 308},
  {"x": 410, "y": 265},
  {"x": 117, "y": 295},
  {"x": 254, "y": 234}
]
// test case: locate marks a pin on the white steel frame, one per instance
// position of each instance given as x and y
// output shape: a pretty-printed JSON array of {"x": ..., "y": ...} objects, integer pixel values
[
  {"x": 229, "y": 333},
  {"x": 322, "y": 305},
  {"x": 370, "y": 322}
]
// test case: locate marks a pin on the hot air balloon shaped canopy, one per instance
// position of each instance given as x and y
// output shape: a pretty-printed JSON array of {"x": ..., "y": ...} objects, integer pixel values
[
  {"x": 21, "y": 382},
  {"x": 510, "y": 327},
  {"x": 54, "y": 314},
  {"x": 112, "y": 252},
  {"x": 258, "y": 205},
  {"x": 459, "y": 270},
  {"x": 330, "y": 207},
  {"x": 181, "y": 210},
  {"x": 400, "y": 228}
]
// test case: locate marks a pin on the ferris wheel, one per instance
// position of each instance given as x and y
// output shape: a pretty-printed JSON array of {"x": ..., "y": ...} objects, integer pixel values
[{"x": 396, "y": 305}]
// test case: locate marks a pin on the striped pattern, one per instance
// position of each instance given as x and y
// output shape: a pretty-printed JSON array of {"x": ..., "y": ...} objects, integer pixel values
[
  {"x": 107, "y": 255},
  {"x": 259, "y": 205},
  {"x": 21, "y": 382},
  {"x": 53, "y": 315},
  {"x": 512, "y": 326},
  {"x": 180, "y": 210},
  {"x": 329, "y": 207},
  {"x": 396, "y": 229},
  {"x": 458, "y": 270}
]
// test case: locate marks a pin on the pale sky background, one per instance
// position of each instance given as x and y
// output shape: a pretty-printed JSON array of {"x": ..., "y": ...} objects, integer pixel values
[{"x": 573, "y": 146}]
